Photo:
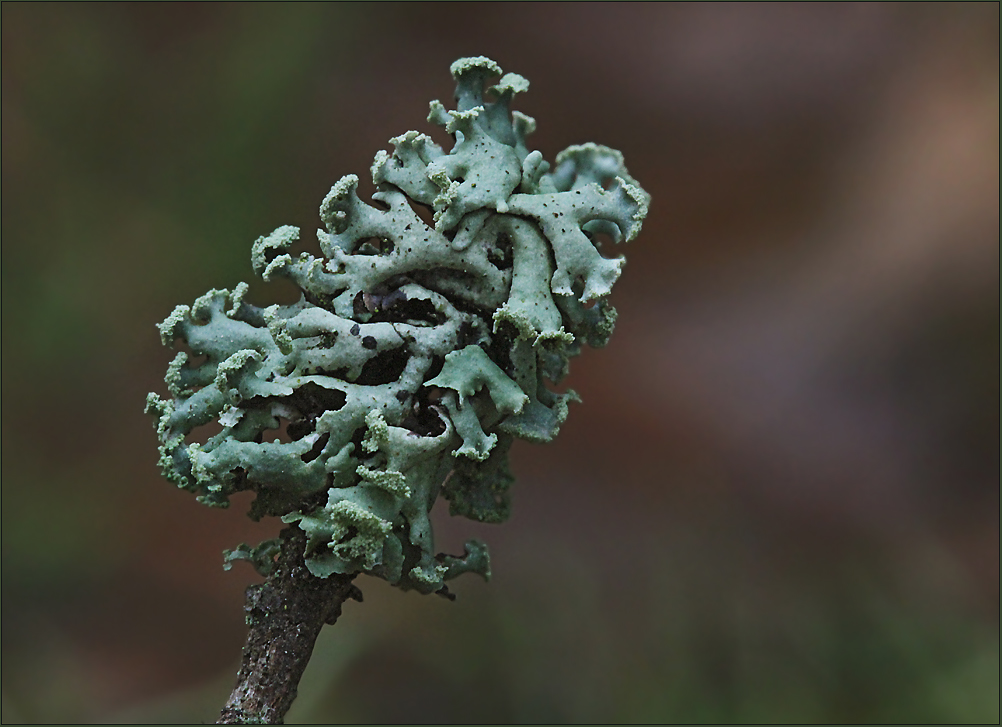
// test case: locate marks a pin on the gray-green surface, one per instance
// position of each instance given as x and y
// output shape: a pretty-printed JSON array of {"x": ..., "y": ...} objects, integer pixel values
[{"x": 416, "y": 352}]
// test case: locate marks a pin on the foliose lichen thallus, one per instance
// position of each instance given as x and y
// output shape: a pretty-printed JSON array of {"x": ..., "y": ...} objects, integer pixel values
[{"x": 419, "y": 348}]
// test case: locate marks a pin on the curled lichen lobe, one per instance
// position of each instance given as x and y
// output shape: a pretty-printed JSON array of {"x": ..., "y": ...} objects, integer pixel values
[{"x": 423, "y": 342}]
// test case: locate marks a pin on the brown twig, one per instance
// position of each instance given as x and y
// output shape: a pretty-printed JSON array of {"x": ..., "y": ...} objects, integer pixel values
[{"x": 284, "y": 616}]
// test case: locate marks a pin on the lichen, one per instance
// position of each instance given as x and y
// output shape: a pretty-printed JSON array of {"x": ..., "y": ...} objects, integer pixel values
[{"x": 416, "y": 353}]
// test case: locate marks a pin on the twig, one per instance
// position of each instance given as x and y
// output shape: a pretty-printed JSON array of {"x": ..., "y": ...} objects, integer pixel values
[{"x": 284, "y": 615}]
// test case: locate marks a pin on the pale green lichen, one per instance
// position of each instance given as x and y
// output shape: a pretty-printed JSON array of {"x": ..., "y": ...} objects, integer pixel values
[
  {"x": 417, "y": 352},
  {"x": 262, "y": 556}
]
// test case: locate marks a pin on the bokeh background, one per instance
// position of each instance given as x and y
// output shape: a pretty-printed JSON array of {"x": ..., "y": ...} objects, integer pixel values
[{"x": 780, "y": 498}]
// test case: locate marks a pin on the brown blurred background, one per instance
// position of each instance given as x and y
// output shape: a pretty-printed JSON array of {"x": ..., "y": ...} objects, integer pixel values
[{"x": 780, "y": 498}]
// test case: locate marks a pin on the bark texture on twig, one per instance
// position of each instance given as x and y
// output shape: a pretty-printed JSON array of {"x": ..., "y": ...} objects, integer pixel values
[{"x": 284, "y": 616}]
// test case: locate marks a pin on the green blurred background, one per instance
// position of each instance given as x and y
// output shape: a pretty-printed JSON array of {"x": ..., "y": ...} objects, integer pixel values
[{"x": 780, "y": 498}]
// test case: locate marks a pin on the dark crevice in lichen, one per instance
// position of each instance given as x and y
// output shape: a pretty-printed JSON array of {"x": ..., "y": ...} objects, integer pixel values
[
  {"x": 356, "y": 439},
  {"x": 500, "y": 344},
  {"x": 434, "y": 369},
  {"x": 322, "y": 300},
  {"x": 424, "y": 212},
  {"x": 424, "y": 418},
  {"x": 466, "y": 334},
  {"x": 300, "y": 428},
  {"x": 384, "y": 368},
  {"x": 204, "y": 432},
  {"x": 373, "y": 246},
  {"x": 253, "y": 316},
  {"x": 312, "y": 400},
  {"x": 315, "y": 501},
  {"x": 500, "y": 253},
  {"x": 280, "y": 433},
  {"x": 358, "y": 305},
  {"x": 403, "y": 310},
  {"x": 460, "y": 287},
  {"x": 340, "y": 374}
]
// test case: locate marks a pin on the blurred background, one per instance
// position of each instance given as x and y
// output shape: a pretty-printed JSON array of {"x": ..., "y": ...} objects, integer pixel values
[{"x": 779, "y": 500}]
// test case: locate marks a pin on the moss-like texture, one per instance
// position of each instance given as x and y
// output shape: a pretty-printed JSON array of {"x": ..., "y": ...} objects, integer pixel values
[{"x": 417, "y": 351}]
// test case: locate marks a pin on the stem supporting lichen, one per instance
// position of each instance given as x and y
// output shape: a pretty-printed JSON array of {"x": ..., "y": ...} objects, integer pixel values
[{"x": 284, "y": 616}]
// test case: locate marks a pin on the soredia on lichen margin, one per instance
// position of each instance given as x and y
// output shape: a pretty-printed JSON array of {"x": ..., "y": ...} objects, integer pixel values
[{"x": 416, "y": 353}]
